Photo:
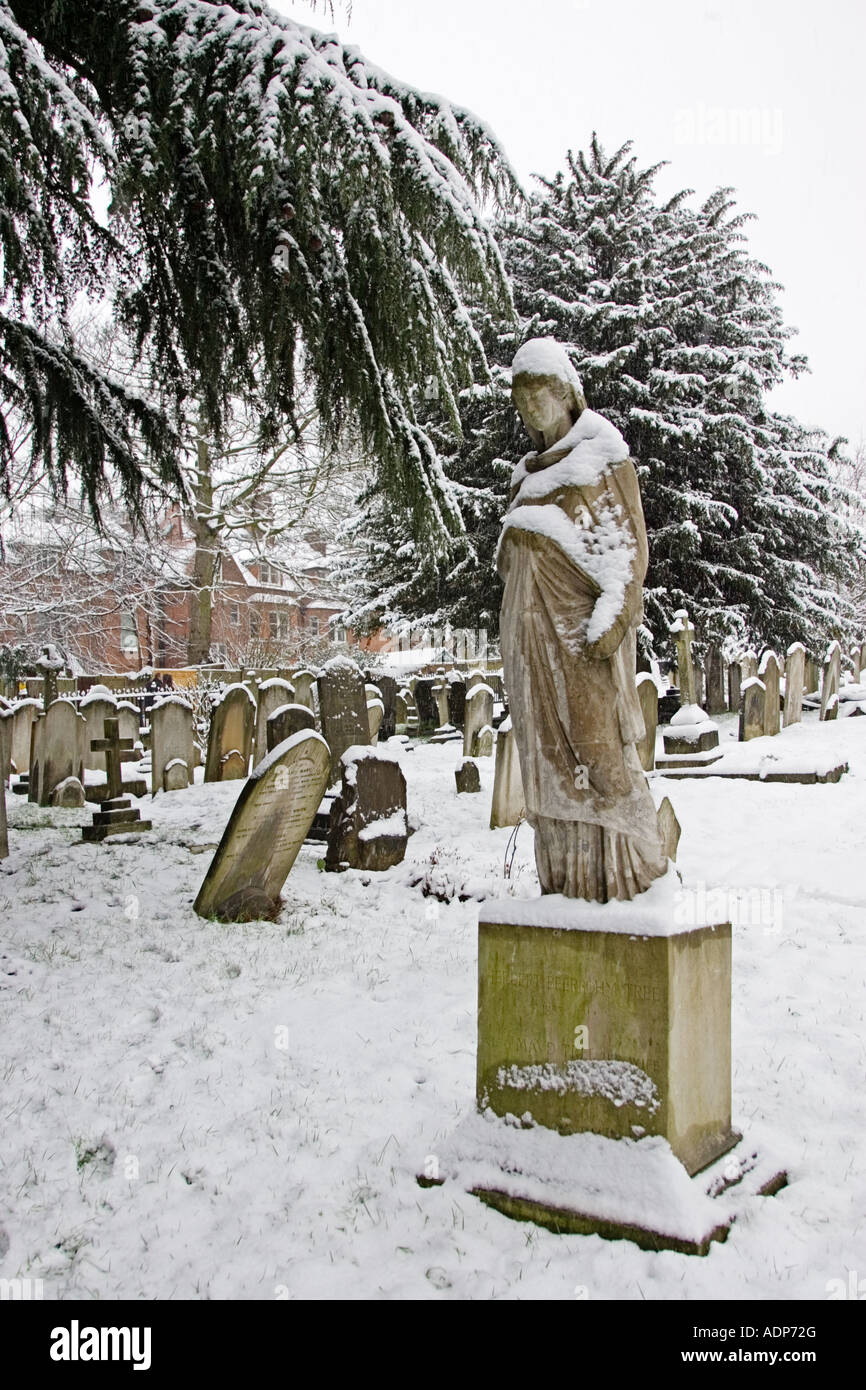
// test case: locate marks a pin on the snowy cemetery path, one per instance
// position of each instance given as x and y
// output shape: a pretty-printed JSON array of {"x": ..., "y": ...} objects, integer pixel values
[{"x": 195, "y": 1110}]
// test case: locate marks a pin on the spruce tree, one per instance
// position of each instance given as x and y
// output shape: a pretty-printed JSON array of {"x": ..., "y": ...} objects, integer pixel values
[
  {"x": 280, "y": 208},
  {"x": 678, "y": 337}
]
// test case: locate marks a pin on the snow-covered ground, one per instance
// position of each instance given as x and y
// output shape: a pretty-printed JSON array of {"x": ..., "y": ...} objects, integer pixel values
[{"x": 193, "y": 1110}]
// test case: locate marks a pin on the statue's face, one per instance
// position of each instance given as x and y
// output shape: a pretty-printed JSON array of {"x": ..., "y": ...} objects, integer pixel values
[{"x": 540, "y": 406}]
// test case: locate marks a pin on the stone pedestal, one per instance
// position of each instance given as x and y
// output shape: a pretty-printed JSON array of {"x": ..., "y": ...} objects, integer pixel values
[{"x": 607, "y": 1018}]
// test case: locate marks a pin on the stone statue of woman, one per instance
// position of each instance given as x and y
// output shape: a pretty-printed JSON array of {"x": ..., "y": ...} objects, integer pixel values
[{"x": 573, "y": 555}]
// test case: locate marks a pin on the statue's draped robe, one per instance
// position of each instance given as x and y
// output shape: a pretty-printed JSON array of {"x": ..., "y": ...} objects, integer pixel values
[{"x": 574, "y": 702}]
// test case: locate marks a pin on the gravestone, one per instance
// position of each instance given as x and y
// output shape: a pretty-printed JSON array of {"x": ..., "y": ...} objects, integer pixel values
[
  {"x": 748, "y": 666},
  {"x": 368, "y": 827},
  {"x": 342, "y": 708},
  {"x": 23, "y": 715},
  {"x": 683, "y": 633},
  {"x": 734, "y": 680},
  {"x": 129, "y": 720},
  {"x": 425, "y": 704},
  {"x": 508, "y": 800},
  {"x": 388, "y": 694},
  {"x": 439, "y": 690},
  {"x": 266, "y": 829},
  {"x": 457, "y": 692},
  {"x": 230, "y": 742},
  {"x": 856, "y": 669},
  {"x": 403, "y": 704},
  {"x": 812, "y": 678},
  {"x": 715, "y": 682},
  {"x": 485, "y": 742},
  {"x": 304, "y": 682},
  {"x": 97, "y": 705},
  {"x": 649, "y": 705},
  {"x": 795, "y": 667},
  {"x": 375, "y": 715},
  {"x": 4, "y": 833},
  {"x": 5, "y": 745},
  {"x": 467, "y": 776},
  {"x": 287, "y": 721},
  {"x": 479, "y": 715},
  {"x": 474, "y": 678},
  {"x": 768, "y": 672},
  {"x": 171, "y": 741},
  {"x": 69, "y": 794},
  {"x": 116, "y": 814},
  {"x": 50, "y": 663},
  {"x": 752, "y": 698},
  {"x": 57, "y": 750},
  {"x": 271, "y": 695},
  {"x": 830, "y": 681}
]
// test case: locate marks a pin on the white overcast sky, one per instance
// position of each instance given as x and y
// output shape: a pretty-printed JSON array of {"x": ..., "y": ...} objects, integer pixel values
[{"x": 678, "y": 77}]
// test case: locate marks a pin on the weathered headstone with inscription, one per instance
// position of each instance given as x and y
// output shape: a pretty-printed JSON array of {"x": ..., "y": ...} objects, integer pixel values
[
  {"x": 97, "y": 705},
  {"x": 304, "y": 682},
  {"x": 266, "y": 829},
  {"x": 342, "y": 708},
  {"x": 795, "y": 666},
  {"x": 23, "y": 715},
  {"x": 467, "y": 777},
  {"x": 715, "y": 682},
  {"x": 230, "y": 742},
  {"x": 439, "y": 691}
]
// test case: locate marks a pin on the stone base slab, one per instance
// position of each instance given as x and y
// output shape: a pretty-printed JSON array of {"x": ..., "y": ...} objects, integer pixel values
[
  {"x": 588, "y": 1185},
  {"x": 101, "y": 832},
  {"x": 805, "y": 778},
  {"x": 690, "y": 759}
]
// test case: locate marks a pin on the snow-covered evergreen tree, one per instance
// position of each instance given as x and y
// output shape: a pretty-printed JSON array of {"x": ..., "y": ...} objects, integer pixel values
[
  {"x": 278, "y": 206},
  {"x": 678, "y": 337}
]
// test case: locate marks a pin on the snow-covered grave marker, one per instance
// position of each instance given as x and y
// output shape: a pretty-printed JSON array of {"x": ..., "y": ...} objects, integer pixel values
[
  {"x": 56, "y": 750},
  {"x": 97, "y": 705},
  {"x": 439, "y": 691},
  {"x": 266, "y": 829},
  {"x": 342, "y": 708},
  {"x": 304, "y": 682},
  {"x": 648, "y": 694},
  {"x": 457, "y": 694},
  {"x": 23, "y": 713},
  {"x": 795, "y": 667},
  {"x": 116, "y": 814},
  {"x": 479, "y": 716},
  {"x": 270, "y": 696},
  {"x": 50, "y": 663},
  {"x": 287, "y": 720},
  {"x": 230, "y": 742},
  {"x": 692, "y": 739},
  {"x": 171, "y": 745},
  {"x": 830, "y": 680},
  {"x": 368, "y": 828},
  {"x": 375, "y": 710},
  {"x": 715, "y": 682},
  {"x": 753, "y": 696},
  {"x": 508, "y": 802},
  {"x": 735, "y": 676}
]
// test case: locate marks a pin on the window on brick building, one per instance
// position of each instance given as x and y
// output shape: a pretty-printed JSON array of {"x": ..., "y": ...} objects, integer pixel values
[
  {"x": 128, "y": 632},
  {"x": 234, "y": 614},
  {"x": 313, "y": 625},
  {"x": 338, "y": 632},
  {"x": 255, "y": 623},
  {"x": 282, "y": 625}
]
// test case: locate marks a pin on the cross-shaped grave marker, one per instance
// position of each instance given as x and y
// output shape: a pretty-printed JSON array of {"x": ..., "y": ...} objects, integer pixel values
[{"x": 115, "y": 816}]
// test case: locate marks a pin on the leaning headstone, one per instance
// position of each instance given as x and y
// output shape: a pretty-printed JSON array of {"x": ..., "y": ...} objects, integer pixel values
[
  {"x": 715, "y": 682},
  {"x": 265, "y": 831},
  {"x": 368, "y": 828},
  {"x": 97, "y": 705},
  {"x": 171, "y": 741},
  {"x": 830, "y": 681},
  {"x": 484, "y": 742},
  {"x": 467, "y": 776},
  {"x": 271, "y": 695},
  {"x": 69, "y": 793},
  {"x": 57, "y": 750},
  {"x": 342, "y": 708},
  {"x": 286, "y": 721},
  {"x": 479, "y": 715},
  {"x": 508, "y": 803},
  {"x": 795, "y": 669},
  {"x": 230, "y": 743},
  {"x": 752, "y": 697},
  {"x": 648, "y": 695},
  {"x": 735, "y": 676},
  {"x": 768, "y": 672}
]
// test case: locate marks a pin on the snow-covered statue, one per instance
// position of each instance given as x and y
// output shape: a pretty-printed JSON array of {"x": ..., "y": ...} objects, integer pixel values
[{"x": 573, "y": 555}]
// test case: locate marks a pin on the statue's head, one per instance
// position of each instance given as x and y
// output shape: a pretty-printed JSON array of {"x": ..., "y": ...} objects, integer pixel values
[{"x": 545, "y": 389}]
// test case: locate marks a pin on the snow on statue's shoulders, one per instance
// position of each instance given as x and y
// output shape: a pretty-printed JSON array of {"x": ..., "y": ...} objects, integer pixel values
[{"x": 593, "y": 445}]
